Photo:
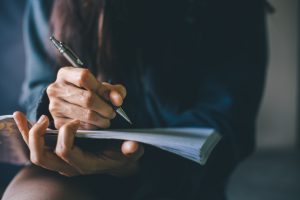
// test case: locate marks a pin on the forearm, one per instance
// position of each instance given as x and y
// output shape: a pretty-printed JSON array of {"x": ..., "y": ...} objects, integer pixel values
[{"x": 39, "y": 64}]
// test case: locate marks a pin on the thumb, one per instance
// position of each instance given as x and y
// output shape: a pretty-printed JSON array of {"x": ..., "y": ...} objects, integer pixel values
[
  {"x": 132, "y": 149},
  {"x": 114, "y": 93}
]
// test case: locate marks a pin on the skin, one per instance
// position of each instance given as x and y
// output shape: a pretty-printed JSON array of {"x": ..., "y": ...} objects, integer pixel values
[
  {"x": 69, "y": 160},
  {"x": 79, "y": 100},
  {"x": 77, "y": 94}
]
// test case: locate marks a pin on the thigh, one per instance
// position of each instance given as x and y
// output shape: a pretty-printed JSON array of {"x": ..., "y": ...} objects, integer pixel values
[{"x": 35, "y": 183}]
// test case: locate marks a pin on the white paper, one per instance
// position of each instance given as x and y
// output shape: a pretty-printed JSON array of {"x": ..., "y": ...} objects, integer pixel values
[{"x": 195, "y": 144}]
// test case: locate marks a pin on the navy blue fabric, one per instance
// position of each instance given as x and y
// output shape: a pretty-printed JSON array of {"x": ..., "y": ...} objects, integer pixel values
[
  {"x": 203, "y": 65},
  {"x": 12, "y": 68},
  {"x": 12, "y": 54}
]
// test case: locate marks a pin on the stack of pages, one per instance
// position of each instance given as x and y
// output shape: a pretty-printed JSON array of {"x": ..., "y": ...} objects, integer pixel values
[{"x": 195, "y": 144}]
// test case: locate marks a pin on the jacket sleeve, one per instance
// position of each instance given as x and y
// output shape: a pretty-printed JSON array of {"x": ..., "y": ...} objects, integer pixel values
[{"x": 39, "y": 66}]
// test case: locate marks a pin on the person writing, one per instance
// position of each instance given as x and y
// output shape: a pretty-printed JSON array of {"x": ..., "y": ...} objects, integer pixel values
[{"x": 168, "y": 64}]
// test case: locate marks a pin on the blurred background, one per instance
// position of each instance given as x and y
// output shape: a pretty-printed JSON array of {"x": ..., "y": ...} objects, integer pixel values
[
  {"x": 273, "y": 171},
  {"x": 12, "y": 67}
]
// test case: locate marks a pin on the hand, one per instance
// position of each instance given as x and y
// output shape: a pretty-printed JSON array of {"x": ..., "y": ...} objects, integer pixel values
[
  {"x": 69, "y": 160},
  {"x": 77, "y": 94}
]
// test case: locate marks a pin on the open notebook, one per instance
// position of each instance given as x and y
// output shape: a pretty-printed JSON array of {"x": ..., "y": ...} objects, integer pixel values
[{"x": 195, "y": 144}]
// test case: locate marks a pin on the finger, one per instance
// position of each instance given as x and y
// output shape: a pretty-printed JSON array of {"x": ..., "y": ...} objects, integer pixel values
[
  {"x": 83, "y": 162},
  {"x": 36, "y": 140},
  {"x": 118, "y": 87},
  {"x": 60, "y": 121},
  {"x": 115, "y": 93},
  {"x": 83, "y": 78},
  {"x": 66, "y": 110},
  {"x": 79, "y": 77},
  {"x": 132, "y": 149},
  {"x": 115, "y": 98},
  {"x": 84, "y": 98},
  {"x": 43, "y": 157},
  {"x": 65, "y": 140},
  {"x": 21, "y": 122}
]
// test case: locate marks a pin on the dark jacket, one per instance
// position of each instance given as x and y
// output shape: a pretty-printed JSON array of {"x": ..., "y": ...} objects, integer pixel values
[{"x": 204, "y": 65}]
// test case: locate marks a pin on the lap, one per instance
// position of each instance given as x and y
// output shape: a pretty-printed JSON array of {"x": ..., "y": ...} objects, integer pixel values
[
  {"x": 36, "y": 183},
  {"x": 170, "y": 178}
]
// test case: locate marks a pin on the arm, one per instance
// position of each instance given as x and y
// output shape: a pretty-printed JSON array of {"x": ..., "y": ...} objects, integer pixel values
[
  {"x": 72, "y": 93},
  {"x": 39, "y": 70},
  {"x": 42, "y": 87}
]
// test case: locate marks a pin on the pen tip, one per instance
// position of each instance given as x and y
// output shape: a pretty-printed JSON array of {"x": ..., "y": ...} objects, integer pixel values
[
  {"x": 129, "y": 121},
  {"x": 121, "y": 112}
]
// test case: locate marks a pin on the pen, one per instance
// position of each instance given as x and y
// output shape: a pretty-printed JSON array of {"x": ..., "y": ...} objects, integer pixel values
[{"x": 76, "y": 62}]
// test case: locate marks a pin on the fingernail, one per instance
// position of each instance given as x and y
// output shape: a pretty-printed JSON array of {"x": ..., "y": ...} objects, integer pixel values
[
  {"x": 130, "y": 147},
  {"x": 118, "y": 96},
  {"x": 42, "y": 119},
  {"x": 15, "y": 118}
]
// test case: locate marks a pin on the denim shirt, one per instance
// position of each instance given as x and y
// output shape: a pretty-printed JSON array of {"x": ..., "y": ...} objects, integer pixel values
[{"x": 211, "y": 74}]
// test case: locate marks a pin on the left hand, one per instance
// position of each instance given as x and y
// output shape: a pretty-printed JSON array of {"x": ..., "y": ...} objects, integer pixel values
[{"x": 69, "y": 160}]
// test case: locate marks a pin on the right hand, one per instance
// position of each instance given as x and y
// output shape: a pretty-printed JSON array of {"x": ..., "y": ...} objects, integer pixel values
[{"x": 77, "y": 94}]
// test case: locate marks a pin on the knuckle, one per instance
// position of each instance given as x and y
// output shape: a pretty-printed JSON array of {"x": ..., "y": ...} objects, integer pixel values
[
  {"x": 32, "y": 132},
  {"x": 109, "y": 109},
  {"x": 108, "y": 112},
  {"x": 90, "y": 116},
  {"x": 58, "y": 123},
  {"x": 63, "y": 152},
  {"x": 83, "y": 76},
  {"x": 51, "y": 90},
  {"x": 112, "y": 113},
  {"x": 60, "y": 73},
  {"x": 88, "y": 98},
  {"x": 53, "y": 105},
  {"x": 122, "y": 89},
  {"x": 106, "y": 124}
]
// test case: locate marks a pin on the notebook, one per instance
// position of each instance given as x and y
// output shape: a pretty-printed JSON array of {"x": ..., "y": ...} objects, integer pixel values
[{"x": 192, "y": 143}]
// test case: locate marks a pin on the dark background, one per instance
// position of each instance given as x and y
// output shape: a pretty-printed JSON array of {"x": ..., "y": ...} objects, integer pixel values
[
  {"x": 12, "y": 59},
  {"x": 273, "y": 171},
  {"x": 11, "y": 54}
]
